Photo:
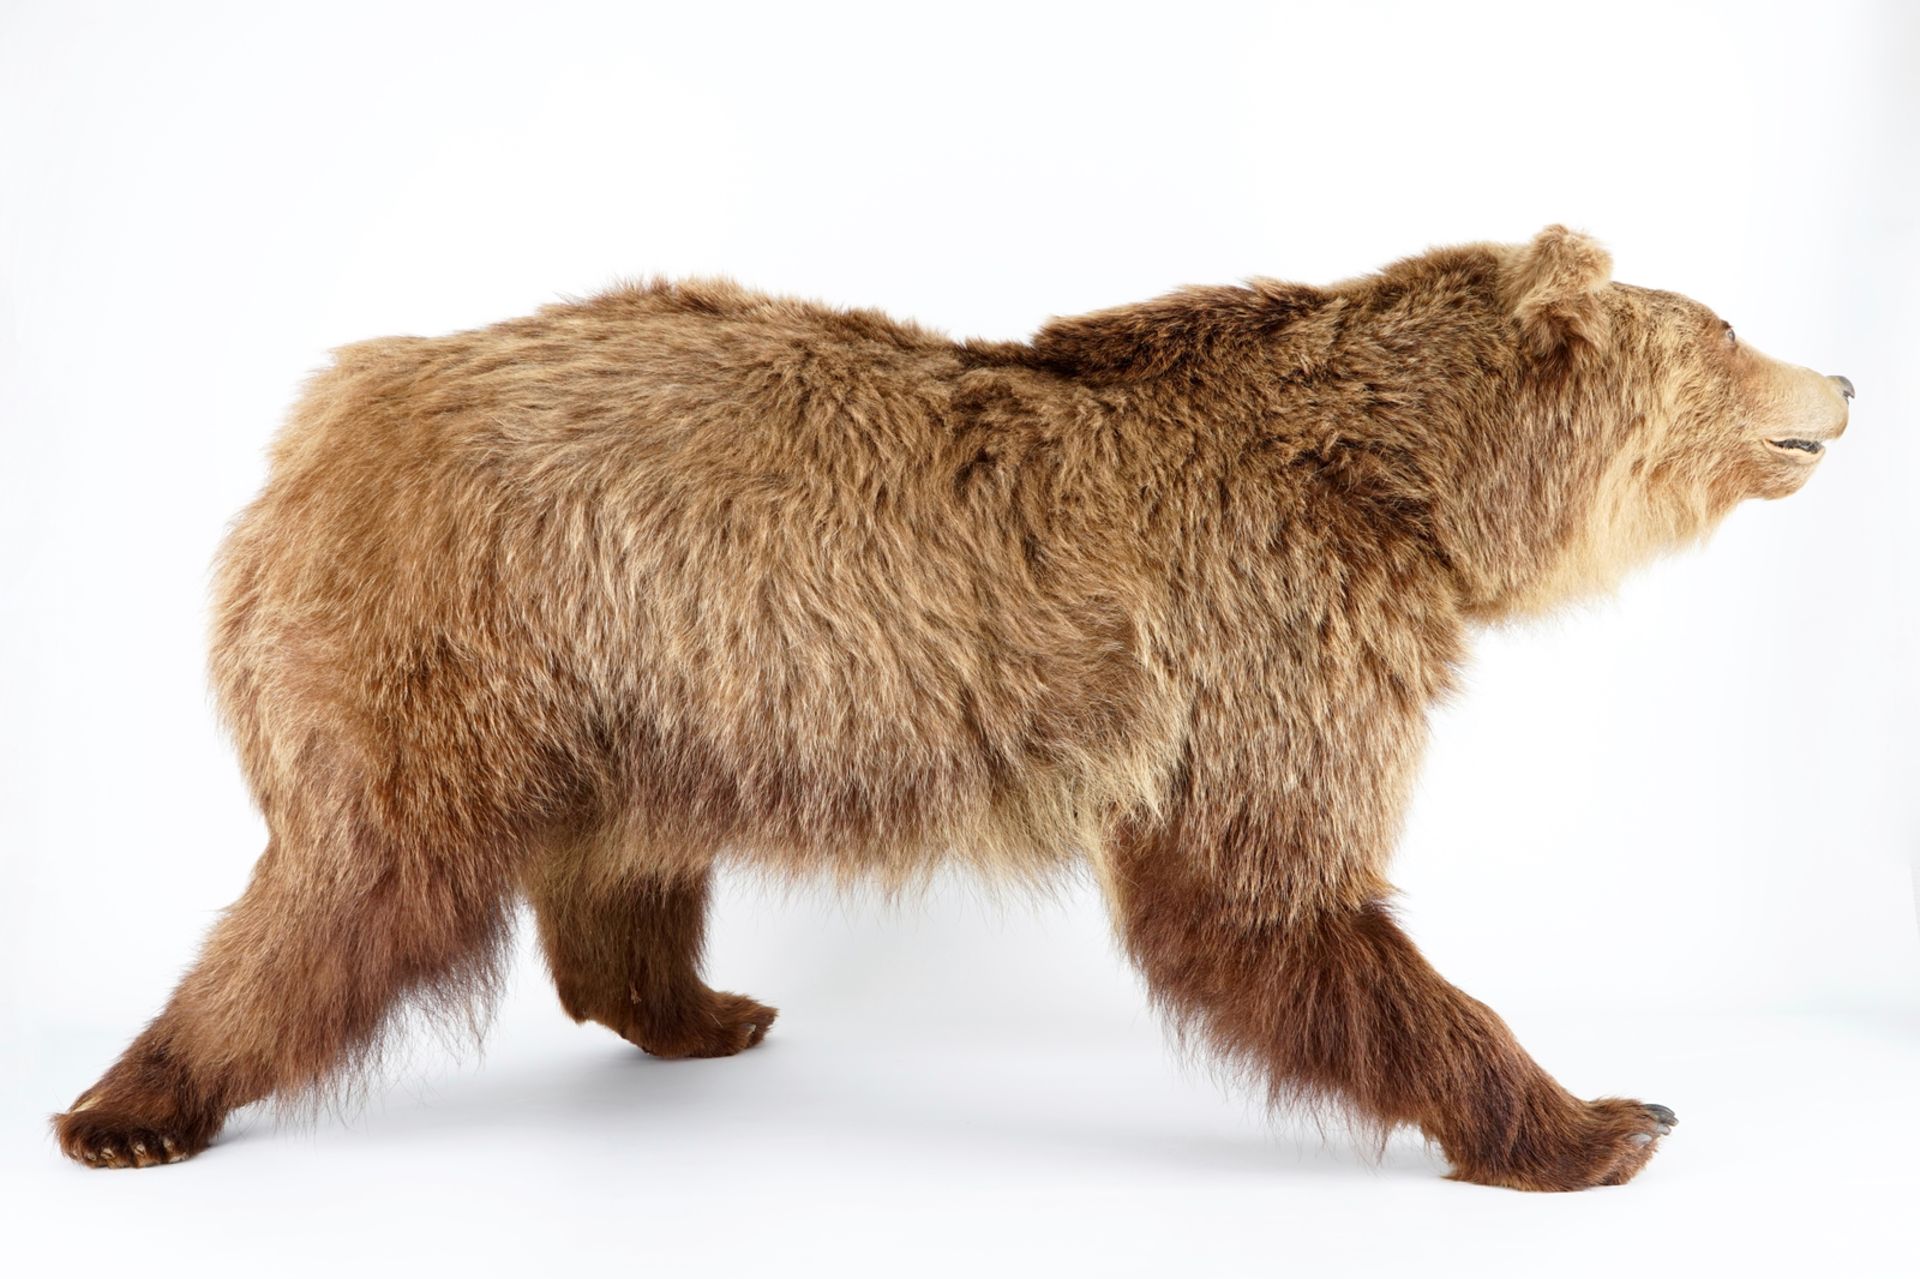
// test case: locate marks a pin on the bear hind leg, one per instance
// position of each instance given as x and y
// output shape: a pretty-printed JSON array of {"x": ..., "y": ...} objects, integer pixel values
[
  {"x": 624, "y": 949},
  {"x": 337, "y": 926}
]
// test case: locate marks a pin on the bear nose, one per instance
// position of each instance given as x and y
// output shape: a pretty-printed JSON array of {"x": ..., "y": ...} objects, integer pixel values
[{"x": 1846, "y": 384}]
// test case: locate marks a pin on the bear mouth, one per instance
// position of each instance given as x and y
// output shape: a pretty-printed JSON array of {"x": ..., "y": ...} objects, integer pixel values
[{"x": 1813, "y": 448}]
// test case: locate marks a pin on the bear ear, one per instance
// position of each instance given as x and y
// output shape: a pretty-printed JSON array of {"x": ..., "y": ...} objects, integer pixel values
[{"x": 1553, "y": 288}]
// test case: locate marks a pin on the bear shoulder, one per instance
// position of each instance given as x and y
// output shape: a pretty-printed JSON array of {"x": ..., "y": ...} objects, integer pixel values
[{"x": 1146, "y": 339}]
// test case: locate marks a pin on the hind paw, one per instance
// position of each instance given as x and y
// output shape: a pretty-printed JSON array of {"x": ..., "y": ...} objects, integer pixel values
[
  {"x": 724, "y": 1025},
  {"x": 102, "y": 1136}
]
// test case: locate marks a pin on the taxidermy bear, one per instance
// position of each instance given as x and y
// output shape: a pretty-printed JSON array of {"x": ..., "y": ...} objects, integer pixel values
[{"x": 584, "y": 605}]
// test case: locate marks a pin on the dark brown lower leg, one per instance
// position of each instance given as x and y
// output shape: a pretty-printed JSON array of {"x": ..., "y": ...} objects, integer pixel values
[
  {"x": 1340, "y": 1004},
  {"x": 626, "y": 953},
  {"x": 293, "y": 985}
]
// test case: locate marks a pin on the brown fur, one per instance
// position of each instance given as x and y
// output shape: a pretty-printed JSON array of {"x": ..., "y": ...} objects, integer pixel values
[{"x": 581, "y": 605}]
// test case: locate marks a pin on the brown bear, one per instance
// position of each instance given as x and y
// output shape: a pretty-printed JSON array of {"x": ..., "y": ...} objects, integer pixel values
[{"x": 584, "y": 605}]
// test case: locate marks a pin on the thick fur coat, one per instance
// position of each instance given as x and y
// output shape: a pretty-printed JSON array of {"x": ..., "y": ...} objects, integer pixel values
[{"x": 580, "y": 606}]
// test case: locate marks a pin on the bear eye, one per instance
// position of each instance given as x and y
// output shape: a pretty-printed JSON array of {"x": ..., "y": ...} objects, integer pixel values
[{"x": 1731, "y": 339}]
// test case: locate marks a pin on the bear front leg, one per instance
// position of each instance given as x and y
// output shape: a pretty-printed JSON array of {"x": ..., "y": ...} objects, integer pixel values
[{"x": 1335, "y": 1001}]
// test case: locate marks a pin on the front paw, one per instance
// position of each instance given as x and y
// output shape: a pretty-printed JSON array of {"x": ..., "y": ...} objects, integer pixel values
[
  {"x": 1633, "y": 1130},
  {"x": 1601, "y": 1143}
]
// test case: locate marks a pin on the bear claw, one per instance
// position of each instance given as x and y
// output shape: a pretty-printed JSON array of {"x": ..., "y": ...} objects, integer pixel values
[{"x": 108, "y": 1138}]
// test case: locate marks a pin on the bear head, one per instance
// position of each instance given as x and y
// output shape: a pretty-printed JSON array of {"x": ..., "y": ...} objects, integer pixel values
[{"x": 1633, "y": 420}]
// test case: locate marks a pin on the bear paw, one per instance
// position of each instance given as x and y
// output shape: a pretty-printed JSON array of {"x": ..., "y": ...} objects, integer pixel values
[
  {"x": 1640, "y": 1126},
  {"x": 724, "y": 1025},
  {"x": 1602, "y": 1143},
  {"x": 103, "y": 1135}
]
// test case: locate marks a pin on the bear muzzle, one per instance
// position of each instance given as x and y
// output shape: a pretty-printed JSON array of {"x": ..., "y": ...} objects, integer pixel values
[{"x": 1808, "y": 446}]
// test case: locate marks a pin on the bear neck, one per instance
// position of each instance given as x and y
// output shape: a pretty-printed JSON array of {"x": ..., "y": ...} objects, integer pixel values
[{"x": 1422, "y": 423}]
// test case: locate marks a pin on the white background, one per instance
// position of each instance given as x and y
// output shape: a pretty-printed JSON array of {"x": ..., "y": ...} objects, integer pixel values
[{"x": 1669, "y": 836}]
